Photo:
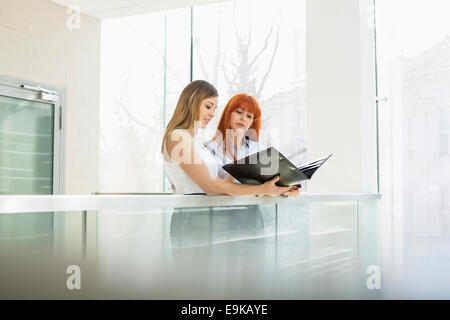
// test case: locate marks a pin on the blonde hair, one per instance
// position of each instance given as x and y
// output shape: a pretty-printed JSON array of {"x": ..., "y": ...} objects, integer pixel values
[{"x": 187, "y": 109}]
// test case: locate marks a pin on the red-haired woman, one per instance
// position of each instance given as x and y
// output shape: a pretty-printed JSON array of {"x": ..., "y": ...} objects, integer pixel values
[{"x": 237, "y": 134}]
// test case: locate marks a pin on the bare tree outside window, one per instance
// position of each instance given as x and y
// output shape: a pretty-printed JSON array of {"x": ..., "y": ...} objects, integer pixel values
[{"x": 257, "y": 47}]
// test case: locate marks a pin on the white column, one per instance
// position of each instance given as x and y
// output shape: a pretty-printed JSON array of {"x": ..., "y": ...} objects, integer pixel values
[{"x": 340, "y": 95}]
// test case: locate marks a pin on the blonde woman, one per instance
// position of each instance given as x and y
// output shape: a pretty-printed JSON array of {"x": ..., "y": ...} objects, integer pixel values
[{"x": 190, "y": 167}]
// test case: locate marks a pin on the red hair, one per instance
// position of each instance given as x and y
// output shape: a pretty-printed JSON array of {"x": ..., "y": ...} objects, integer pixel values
[{"x": 248, "y": 104}]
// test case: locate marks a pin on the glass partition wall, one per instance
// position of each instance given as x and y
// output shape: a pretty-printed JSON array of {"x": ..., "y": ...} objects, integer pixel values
[
  {"x": 413, "y": 50},
  {"x": 318, "y": 249},
  {"x": 30, "y": 163},
  {"x": 30, "y": 135},
  {"x": 148, "y": 59}
]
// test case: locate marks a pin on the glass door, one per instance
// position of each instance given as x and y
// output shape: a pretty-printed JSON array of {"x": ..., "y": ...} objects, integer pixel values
[
  {"x": 29, "y": 140},
  {"x": 30, "y": 163}
]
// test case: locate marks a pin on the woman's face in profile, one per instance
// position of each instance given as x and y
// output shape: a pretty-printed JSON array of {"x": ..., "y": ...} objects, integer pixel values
[
  {"x": 207, "y": 111},
  {"x": 241, "y": 120}
]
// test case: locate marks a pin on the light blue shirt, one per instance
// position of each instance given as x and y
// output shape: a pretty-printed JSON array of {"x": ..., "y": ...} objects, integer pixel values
[{"x": 248, "y": 147}]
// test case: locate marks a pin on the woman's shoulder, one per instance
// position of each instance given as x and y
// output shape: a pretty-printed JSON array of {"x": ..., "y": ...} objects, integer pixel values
[
  {"x": 178, "y": 134},
  {"x": 179, "y": 138}
]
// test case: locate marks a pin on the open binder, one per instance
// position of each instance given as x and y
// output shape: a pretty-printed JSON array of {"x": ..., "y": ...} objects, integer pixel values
[{"x": 265, "y": 165}]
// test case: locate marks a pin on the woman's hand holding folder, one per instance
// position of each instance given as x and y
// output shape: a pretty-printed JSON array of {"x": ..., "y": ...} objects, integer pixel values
[
  {"x": 293, "y": 192},
  {"x": 269, "y": 188}
]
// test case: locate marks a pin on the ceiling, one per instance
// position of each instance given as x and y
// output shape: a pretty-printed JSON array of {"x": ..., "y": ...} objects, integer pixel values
[{"x": 106, "y": 9}]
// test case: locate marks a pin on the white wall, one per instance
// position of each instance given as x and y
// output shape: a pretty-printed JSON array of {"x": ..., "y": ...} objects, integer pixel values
[
  {"x": 36, "y": 45},
  {"x": 340, "y": 93}
]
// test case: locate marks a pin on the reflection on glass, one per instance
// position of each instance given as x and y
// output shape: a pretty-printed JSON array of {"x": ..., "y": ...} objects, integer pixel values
[
  {"x": 207, "y": 226},
  {"x": 223, "y": 247},
  {"x": 292, "y": 251},
  {"x": 26, "y": 146},
  {"x": 26, "y": 167},
  {"x": 26, "y": 247},
  {"x": 286, "y": 251},
  {"x": 318, "y": 246},
  {"x": 20, "y": 230}
]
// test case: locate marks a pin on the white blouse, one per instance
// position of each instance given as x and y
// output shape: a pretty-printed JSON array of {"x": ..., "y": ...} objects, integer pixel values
[
  {"x": 248, "y": 147},
  {"x": 180, "y": 181}
]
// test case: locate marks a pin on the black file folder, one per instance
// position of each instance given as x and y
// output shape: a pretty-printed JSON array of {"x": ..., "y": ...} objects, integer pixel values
[{"x": 267, "y": 164}]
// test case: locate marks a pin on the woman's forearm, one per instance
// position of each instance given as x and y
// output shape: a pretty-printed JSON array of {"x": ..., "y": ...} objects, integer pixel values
[
  {"x": 230, "y": 178},
  {"x": 220, "y": 187}
]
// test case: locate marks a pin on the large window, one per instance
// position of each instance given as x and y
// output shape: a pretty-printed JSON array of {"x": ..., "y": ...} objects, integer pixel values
[
  {"x": 145, "y": 65},
  {"x": 257, "y": 47},
  {"x": 132, "y": 79},
  {"x": 413, "y": 49}
]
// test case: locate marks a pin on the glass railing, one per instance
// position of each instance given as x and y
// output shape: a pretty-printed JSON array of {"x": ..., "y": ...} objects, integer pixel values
[{"x": 189, "y": 247}]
